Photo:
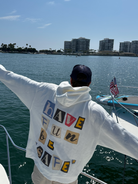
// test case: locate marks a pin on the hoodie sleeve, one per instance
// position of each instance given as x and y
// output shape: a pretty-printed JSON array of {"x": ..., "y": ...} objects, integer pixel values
[
  {"x": 114, "y": 136},
  {"x": 23, "y": 87}
]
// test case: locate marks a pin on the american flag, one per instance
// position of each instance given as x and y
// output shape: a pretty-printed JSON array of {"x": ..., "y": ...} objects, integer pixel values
[{"x": 113, "y": 87}]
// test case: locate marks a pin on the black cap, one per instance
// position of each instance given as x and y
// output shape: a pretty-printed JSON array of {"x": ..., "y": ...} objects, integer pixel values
[{"x": 77, "y": 69}]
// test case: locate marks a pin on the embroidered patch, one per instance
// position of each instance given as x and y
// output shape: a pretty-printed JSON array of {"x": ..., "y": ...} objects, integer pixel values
[
  {"x": 43, "y": 136},
  {"x": 65, "y": 167},
  {"x": 71, "y": 137},
  {"x": 45, "y": 122},
  {"x": 49, "y": 109},
  {"x": 56, "y": 163},
  {"x": 39, "y": 151},
  {"x": 56, "y": 131},
  {"x": 59, "y": 116},
  {"x": 80, "y": 123},
  {"x": 46, "y": 158},
  {"x": 69, "y": 120},
  {"x": 51, "y": 145}
]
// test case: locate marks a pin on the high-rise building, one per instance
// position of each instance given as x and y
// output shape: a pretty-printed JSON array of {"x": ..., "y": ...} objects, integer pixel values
[
  {"x": 67, "y": 46},
  {"x": 74, "y": 45},
  {"x": 129, "y": 47},
  {"x": 106, "y": 44},
  {"x": 83, "y": 45},
  {"x": 79, "y": 45},
  {"x": 134, "y": 46},
  {"x": 125, "y": 46}
]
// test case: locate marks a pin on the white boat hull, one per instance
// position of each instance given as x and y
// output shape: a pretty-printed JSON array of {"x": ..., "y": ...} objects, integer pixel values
[
  {"x": 126, "y": 120},
  {"x": 3, "y": 176}
]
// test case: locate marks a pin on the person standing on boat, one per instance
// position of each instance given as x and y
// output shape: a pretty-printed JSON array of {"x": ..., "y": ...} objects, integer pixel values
[{"x": 66, "y": 126}]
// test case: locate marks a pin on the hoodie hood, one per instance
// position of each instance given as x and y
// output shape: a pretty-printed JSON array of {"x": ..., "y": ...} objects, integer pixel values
[{"x": 68, "y": 95}]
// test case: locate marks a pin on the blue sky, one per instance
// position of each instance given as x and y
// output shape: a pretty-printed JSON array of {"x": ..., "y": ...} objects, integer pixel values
[{"x": 45, "y": 24}]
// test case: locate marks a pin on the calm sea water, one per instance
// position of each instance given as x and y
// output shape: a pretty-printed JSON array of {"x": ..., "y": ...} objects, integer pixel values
[{"x": 105, "y": 164}]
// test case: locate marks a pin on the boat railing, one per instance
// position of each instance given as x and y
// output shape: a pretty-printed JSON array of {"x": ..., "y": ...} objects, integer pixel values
[
  {"x": 113, "y": 99},
  {"x": 8, "y": 137}
]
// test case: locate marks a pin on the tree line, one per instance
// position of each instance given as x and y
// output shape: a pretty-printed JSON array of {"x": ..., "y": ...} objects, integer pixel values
[
  {"x": 11, "y": 48},
  {"x": 27, "y": 49}
]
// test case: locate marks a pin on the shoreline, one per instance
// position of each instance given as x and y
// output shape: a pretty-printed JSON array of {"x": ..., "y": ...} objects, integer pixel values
[{"x": 79, "y": 54}]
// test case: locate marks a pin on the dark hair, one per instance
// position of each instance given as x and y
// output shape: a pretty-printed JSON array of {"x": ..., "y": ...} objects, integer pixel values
[{"x": 78, "y": 82}]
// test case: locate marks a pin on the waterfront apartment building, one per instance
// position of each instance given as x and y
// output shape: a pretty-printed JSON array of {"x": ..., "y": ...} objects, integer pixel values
[
  {"x": 79, "y": 45},
  {"x": 125, "y": 46},
  {"x": 134, "y": 46},
  {"x": 129, "y": 47},
  {"x": 67, "y": 46},
  {"x": 106, "y": 44}
]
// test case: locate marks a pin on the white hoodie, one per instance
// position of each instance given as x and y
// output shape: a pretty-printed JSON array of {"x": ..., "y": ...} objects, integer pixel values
[{"x": 66, "y": 126}]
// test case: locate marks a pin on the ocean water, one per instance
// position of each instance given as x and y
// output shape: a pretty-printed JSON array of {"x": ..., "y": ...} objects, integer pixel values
[{"x": 106, "y": 164}]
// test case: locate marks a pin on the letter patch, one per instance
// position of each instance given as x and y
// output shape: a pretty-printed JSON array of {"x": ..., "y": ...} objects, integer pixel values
[
  {"x": 49, "y": 109},
  {"x": 59, "y": 116},
  {"x": 39, "y": 151},
  {"x": 51, "y": 145},
  {"x": 71, "y": 137},
  {"x": 43, "y": 136},
  {"x": 56, "y": 163},
  {"x": 69, "y": 120},
  {"x": 46, "y": 158},
  {"x": 56, "y": 131},
  {"x": 65, "y": 167},
  {"x": 80, "y": 123},
  {"x": 45, "y": 122}
]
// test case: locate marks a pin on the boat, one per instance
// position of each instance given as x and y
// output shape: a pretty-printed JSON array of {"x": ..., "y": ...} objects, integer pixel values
[
  {"x": 128, "y": 101},
  {"x": 124, "y": 107},
  {"x": 127, "y": 119}
]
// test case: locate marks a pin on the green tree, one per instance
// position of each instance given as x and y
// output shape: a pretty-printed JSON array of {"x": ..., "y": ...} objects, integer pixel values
[
  {"x": 4, "y": 47},
  {"x": 19, "y": 49},
  {"x": 11, "y": 47},
  {"x": 59, "y": 51}
]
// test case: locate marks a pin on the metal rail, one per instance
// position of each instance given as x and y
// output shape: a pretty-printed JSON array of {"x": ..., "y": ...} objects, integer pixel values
[
  {"x": 23, "y": 149},
  {"x": 121, "y": 105},
  {"x": 118, "y": 122},
  {"x": 93, "y": 178},
  {"x": 8, "y": 152}
]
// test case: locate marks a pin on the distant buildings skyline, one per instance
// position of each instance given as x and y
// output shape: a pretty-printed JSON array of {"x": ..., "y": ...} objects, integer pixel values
[{"x": 81, "y": 45}]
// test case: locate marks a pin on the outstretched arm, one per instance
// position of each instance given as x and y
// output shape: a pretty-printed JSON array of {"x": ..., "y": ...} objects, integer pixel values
[
  {"x": 114, "y": 136},
  {"x": 23, "y": 87}
]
